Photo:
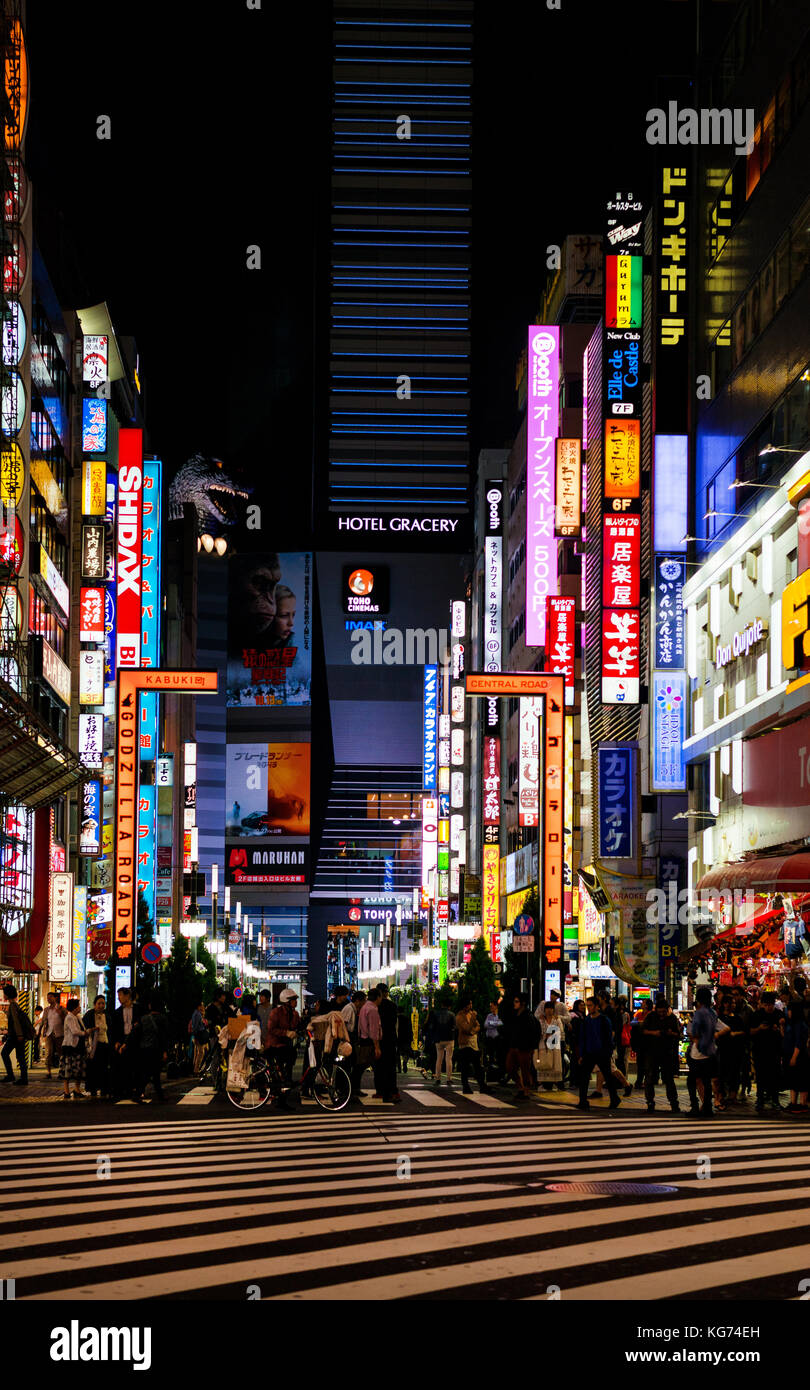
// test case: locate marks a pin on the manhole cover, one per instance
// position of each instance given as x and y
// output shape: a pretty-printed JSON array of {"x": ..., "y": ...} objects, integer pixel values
[{"x": 620, "y": 1189}]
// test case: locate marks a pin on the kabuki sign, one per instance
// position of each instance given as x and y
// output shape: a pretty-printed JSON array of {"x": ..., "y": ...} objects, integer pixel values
[
  {"x": 542, "y": 428},
  {"x": 130, "y": 684}
]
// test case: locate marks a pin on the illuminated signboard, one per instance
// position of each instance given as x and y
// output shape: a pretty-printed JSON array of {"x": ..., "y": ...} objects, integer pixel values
[
  {"x": 94, "y": 426},
  {"x": 128, "y": 548},
  {"x": 150, "y": 656},
  {"x": 91, "y": 742},
  {"x": 457, "y": 747},
  {"x": 12, "y": 475},
  {"x": 91, "y": 678},
  {"x": 456, "y": 790},
  {"x": 430, "y": 726},
  {"x": 560, "y": 636},
  {"x": 590, "y": 919},
  {"x": 621, "y": 645},
  {"x": 542, "y": 428},
  {"x": 493, "y": 582},
  {"x": 90, "y": 818},
  {"x": 529, "y": 761},
  {"x": 668, "y": 719},
  {"x": 78, "y": 961},
  {"x": 670, "y": 645},
  {"x": 622, "y": 458},
  {"x": 91, "y": 615},
  {"x": 130, "y": 684},
  {"x": 492, "y": 781},
  {"x": 568, "y": 514},
  {"x": 366, "y": 589},
  {"x": 458, "y": 618},
  {"x": 623, "y": 291},
  {"x": 621, "y": 560},
  {"x": 568, "y": 819},
  {"x": 490, "y": 891},
  {"x": 670, "y": 492},
  {"x": 553, "y": 827},
  {"x": 94, "y": 487},
  {"x": 617, "y": 801},
  {"x": 94, "y": 359},
  {"x": 60, "y": 929},
  {"x": 93, "y": 563},
  {"x": 12, "y": 540},
  {"x": 623, "y": 389},
  {"x": 430, "y": 839},
  {"x": 53, "y": 670},
  {"x": 146, "y": 844},
  {"x": 512, "y": 683},
  {"x": 54, "y": 583}
]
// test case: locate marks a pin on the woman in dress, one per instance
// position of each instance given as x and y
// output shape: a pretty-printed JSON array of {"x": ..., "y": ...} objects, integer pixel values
[{"x": 72, "y": 1062}]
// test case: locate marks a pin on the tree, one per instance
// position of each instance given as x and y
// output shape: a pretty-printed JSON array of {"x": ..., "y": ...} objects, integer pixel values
[
  {"x": 521, "y": 966},
  {"x": 184, "y": 983},
  {"x": 479, "y": 980},
  {"x": 146, "y": 976}
]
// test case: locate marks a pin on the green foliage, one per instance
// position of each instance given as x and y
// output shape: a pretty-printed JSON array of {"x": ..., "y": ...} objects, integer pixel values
[
  {"x": 182, "y": 984},
  {"x": 479, "y": 980}
]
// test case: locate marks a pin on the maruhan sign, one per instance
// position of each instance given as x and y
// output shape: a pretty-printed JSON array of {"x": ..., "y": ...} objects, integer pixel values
[{"x": 398, "y": 523}]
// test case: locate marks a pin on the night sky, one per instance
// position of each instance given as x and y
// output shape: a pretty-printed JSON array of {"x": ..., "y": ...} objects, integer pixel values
[{"x": 220, "y": 139}]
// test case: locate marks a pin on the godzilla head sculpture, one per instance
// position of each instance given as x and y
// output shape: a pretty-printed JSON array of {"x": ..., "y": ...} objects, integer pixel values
[{"x": 216, "y": 498}]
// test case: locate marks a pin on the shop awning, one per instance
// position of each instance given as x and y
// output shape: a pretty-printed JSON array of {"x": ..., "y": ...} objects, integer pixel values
[
  {"x": 761, "y": 934},
  {"x": 789, "y": 872}
]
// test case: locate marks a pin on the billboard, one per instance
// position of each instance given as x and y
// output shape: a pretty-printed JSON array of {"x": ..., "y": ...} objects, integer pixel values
[
  {"x": 60, "y": 929},
  {"x": 90, "y": 818},
  {"x": 621, "y": 560},
  {"x": 490, "y": 901},
  {"x": 267, "y": 790},
  {"x": 622, "y": 458},
  {"x": 617, "y": 801},
  {"x": 262, "y": 865},
  {"x": 668, "y": 714},
  {"x": 94, "y": 427},
  {"x": 269, "y": 630},
  {"x": 94, "y": 487},
  {"x": 621, "y": 665},
  {"x": 94, "y": 359},
  {"x": 542, "y": 428},
  {"x": 568, "y": 515},
  {"x": 430, "y": 727},
  {"x": 670, "y": 638},
  {"x": 561, "y": 612},
  {"x": 91, "y": 614}
]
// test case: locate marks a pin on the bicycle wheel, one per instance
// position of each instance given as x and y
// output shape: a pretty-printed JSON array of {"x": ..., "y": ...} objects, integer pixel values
[
  {"x": 332, "y": 1090},
  {"x": 256, "y": 1093}
]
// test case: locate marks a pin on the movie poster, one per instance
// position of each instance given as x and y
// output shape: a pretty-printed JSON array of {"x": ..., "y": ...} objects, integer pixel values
[
  {"x": 269, "y": 630},
  {"x": 267, "y": 790}
]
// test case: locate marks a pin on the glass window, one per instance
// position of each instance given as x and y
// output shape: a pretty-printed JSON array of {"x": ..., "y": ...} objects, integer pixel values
[{"x": 781, "y": 272}]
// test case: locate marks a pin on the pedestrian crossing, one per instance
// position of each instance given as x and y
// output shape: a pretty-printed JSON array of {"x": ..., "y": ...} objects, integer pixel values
[{"x": 393, "y": 1206}]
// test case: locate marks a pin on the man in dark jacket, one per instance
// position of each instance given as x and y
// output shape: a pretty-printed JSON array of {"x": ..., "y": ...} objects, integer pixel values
[
  {"x": 596, "y": 1045},
  {"x": 20, "y": 1032},
  {"x": 154, "y": 1039},
  {"x": 523, "y": 1036},
  {"x": 124, "y": 1039},
  {"x": 387, "y": 1070},
  {"x": 662, "y": 1032}
]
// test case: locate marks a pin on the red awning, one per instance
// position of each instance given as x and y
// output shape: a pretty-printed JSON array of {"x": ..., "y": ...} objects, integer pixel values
[{"x": 790, "y": 873}]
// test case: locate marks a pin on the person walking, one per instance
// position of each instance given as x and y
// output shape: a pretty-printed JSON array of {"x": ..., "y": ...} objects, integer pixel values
[
  {"x": 469, "y": 1053},
  {"x": 368, "y": 1041},
  {"x": 39, "y": 1020},
  {"x": 549, "y": 1048},
  {"x": 216, "y": 1016},
  {"x": 797, "y": 1059},
  {"x": 98, "y": 1048},
  {"x": 52, "y": 1030},
  {"x": 766, "y": 1051},
  {"x": 578, "y": 1013},
  {"x": 596, "y": 1046},
  {"x": 282, "y": 1032},
  {"x": 20, "y": 1031},
  {"x": 124, "y": 1030},
  {"x": 152, "y": 1051},
  {"x": 387, "y": 1068},
  {"x": 605, "y": 1006},
  {"x": 701, "y": 1058},
  {"x": 441, "y": 1033},
  {"x": 403, "y": 1040},
  {"x": 524, "y": 1032},
  {"x": 731, "y": 1048},
  {"x": 662, "y": 1032},
  {"x": 493, "y": 1040},
  {"x": 199, "y": 1036},
  {"x": 637, "y": 1040},
  {"x": 72, "y": 1062}
]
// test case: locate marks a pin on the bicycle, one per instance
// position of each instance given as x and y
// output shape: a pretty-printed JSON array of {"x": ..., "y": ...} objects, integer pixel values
[{"x": 331, "y": 1084}]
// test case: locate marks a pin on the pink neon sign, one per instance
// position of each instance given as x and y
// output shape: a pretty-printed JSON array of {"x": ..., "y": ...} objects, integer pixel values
[{"x": 542, "y": 428}]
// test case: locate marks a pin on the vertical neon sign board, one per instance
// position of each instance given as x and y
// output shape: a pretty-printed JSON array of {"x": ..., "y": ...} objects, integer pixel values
[
  {"x": 430, "y": 727},
  {"x": 542, "y": 428}
]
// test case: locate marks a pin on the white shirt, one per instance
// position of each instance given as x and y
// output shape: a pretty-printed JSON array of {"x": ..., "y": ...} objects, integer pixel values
[
  {"x": 54, "y": 1023},
  {"x": 74, "y": 1029},
  {"x": 127, "y": 1013}
]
